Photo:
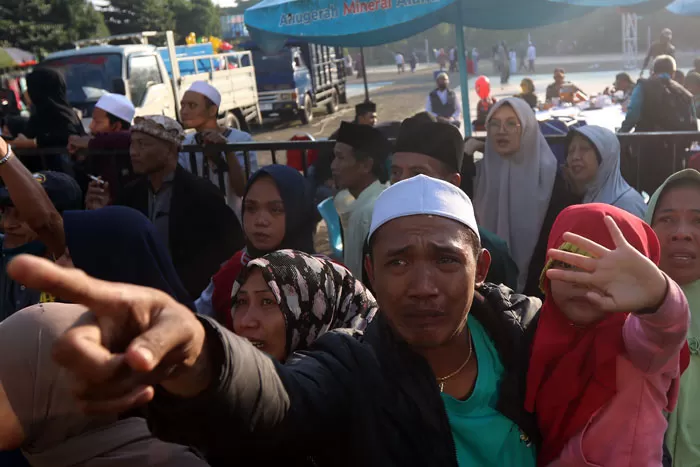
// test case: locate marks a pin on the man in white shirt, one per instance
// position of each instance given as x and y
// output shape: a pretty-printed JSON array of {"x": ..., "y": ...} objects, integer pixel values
[
  {"x": 399, "y": 62},
  {"x": 360, "y": 172},
  {"x": 453, "y": 59},
  {"x": 443, "y": 104},
  {"x": 200, "y": 109},
  {"x": 531, "y": 56}
]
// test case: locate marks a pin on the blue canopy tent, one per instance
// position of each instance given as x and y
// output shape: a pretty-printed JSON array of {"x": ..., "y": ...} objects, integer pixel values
[
  {"x": 364, "y": 23},
  {"x": 685, "y": 7},
  {"x": 679, "y": 7}
]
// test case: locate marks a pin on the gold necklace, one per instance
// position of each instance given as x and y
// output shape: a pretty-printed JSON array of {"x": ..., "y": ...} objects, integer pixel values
[{"x": 441, "y": 381}]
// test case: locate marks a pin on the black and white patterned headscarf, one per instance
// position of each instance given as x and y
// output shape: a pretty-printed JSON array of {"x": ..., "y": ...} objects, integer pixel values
[{"x": 315, "y": 295}]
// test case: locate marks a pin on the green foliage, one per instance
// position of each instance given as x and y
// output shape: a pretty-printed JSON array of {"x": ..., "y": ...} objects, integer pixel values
[
  {"x": 198, "y": 16},
  {"x": 5, "y": 60},
  {"x": 41, "y": 26},
  {"x": 127, "y": 16}
]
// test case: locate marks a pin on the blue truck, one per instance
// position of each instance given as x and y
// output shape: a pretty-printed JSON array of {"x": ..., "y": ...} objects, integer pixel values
[{"x": 298, "y": 78}]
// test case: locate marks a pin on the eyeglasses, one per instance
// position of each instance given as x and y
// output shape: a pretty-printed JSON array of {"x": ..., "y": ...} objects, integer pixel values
[{"x": 509, "y": 126}]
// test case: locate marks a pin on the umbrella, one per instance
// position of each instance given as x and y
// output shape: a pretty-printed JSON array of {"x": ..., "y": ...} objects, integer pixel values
[
  {"x": 363, "y": 23},
  {"x": 685, "y": 7}
]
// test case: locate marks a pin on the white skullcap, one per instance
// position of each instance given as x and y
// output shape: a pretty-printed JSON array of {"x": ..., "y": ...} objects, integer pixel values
[
  {"x": 117, "y": 105},
  {"x": 422, "y": 195},
  {"x": 207, "y": 90}
]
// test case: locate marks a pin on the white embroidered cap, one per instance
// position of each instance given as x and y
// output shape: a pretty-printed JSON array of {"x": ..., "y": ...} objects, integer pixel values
[
  {"x": 422, "y": 195},
  {"x": 207, "y": 90},
  {"x": 117, "y": 105}
]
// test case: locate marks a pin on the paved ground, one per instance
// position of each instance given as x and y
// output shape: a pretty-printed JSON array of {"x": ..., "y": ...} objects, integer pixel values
[{"x": 399, "y": 96}]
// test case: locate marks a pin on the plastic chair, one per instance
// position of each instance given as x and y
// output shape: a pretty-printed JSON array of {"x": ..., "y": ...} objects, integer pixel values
[{"x": 335, "y": 238}]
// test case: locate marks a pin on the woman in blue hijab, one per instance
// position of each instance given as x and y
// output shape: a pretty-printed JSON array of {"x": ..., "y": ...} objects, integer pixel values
[
  {"x": 119, "y": 244},
  {"x": 278, "y": 213}
]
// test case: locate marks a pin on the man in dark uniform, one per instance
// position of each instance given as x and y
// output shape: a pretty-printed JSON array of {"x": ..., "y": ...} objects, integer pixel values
[
  {"x": 442, "y": 102},
  {"x": 663, "y": 47},
  {"x": 658, "y": 104}
]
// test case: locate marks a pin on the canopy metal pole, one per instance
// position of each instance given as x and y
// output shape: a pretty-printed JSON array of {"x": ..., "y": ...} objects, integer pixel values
[
  {"x": 463, "y": 81},
  {"x": 364, "y": 72}
]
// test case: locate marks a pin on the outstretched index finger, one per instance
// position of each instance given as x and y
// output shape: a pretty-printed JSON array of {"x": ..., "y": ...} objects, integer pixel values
[{"x": 71, "y": 285}]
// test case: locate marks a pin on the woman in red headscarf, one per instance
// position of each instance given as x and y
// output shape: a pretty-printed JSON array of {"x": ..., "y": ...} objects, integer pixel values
[{"x": 606, "y": 357}]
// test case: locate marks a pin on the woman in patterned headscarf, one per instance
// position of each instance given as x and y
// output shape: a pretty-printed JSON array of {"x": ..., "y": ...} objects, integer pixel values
[{"x": 283, "y": 301}]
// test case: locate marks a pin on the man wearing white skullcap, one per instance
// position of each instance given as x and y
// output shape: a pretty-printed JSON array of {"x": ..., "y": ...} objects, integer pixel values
[
  {"x": 200, "y": 111},
  {"x": 427, "y": 269},
  {"x": 109, "y": 131}
]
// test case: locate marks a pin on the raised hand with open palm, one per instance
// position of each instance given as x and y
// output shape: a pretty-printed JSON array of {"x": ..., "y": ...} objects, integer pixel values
[{"x": 621, "y": 280}]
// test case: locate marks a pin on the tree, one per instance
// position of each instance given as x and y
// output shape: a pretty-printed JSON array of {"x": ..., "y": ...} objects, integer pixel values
[
  {"x": 41, "y": 26},
  {"x": 127, "y": 16},
  {"x": 198, "y": 16}
]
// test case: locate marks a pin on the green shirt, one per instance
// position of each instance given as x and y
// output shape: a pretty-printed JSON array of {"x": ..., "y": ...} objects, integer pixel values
[{"x": 482, "y": 435}]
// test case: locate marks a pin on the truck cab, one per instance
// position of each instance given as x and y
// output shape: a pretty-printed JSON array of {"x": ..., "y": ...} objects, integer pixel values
[
  {"x": 155, "y": 78},
  {"x": 133, "y": 70},
  {"x": 297, "y": 78}
]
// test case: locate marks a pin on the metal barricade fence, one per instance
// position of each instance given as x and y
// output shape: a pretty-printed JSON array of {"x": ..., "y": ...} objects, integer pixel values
[{"x": 672, "y": 152}]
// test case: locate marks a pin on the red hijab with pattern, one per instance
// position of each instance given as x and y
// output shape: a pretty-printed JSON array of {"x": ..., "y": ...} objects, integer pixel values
[{"x": 572, "y": 370}]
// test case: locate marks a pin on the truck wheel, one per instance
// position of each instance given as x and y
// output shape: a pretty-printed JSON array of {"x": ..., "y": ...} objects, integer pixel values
[
  {"x": 343, "y": 97},
  {"x": 333, "y": 103},
  {"x": 231, "y": 121},
  {"x": 307, "y": 115}
]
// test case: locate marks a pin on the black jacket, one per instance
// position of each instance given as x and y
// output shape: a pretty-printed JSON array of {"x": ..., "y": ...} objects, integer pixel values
[
  {"x": 204, "y": 231},
  {"x": 667, "y": 106},
  {"x": 562, "y": 198},
  {"x": 353, "y": 400}
]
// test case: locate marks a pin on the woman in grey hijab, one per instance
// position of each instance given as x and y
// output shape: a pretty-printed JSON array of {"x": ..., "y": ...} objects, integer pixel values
[
  {"x": 39, "y": 414},
  {"x": 593, "y": 162},
  {"x": 518, "y": 189}
]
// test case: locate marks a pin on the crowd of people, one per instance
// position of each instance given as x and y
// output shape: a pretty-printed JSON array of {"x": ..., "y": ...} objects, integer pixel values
[{"x": 162, "y": 308}]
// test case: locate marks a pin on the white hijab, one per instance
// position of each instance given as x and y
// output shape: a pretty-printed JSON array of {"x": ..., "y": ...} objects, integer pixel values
[
  {"x": 512, "y": 193},
  {"x": 609, "y": 187}
]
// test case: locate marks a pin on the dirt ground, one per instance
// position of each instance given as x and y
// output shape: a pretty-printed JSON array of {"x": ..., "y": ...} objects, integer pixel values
[{"x": 403, "y": 98}]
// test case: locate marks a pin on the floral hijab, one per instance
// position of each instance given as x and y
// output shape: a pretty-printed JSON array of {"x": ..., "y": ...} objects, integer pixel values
[{"x": 315, "y": 295}]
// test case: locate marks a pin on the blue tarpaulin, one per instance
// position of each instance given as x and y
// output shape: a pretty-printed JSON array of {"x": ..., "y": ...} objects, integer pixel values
[
  {"x": 679, "y": 7},
  {"x": 685, "y": 7},
  {"x": 358, "y": 23}
]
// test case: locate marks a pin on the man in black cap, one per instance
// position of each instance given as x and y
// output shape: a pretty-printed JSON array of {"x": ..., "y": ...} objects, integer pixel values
[
  {"x": 30, "y": 205},
  {"x": 320, "y": 171},
  {"x": 366, "y": 113},
  {"x": 437, "y": 150},
  {"x": 360, "y": 172}
]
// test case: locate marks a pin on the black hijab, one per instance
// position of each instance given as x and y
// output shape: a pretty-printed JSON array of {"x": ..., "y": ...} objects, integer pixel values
[
  {"x": 120, "y": 244},
  {"x": 299, "y": 209},
  {"x": 53, "y": 119}
]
